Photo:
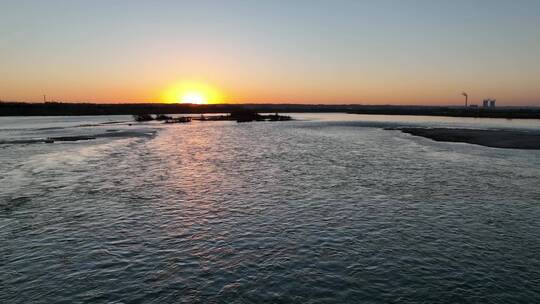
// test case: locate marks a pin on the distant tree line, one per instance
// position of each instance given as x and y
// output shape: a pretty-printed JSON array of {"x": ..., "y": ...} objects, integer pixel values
[{"x": 56, "y": 109}]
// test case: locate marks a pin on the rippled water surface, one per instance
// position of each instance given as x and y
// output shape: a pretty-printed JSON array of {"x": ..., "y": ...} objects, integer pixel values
[{"x": 325, "y": 209}]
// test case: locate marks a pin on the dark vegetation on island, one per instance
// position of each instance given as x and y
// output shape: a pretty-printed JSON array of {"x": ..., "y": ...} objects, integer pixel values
[
  {"x": 242, "y": 115},
  {"x": 57, "y": 109},
  {"x": 510, "y": 139}
]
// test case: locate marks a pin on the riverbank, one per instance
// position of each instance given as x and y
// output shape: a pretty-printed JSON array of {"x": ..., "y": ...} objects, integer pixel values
[{"x": 508, "y": 139}]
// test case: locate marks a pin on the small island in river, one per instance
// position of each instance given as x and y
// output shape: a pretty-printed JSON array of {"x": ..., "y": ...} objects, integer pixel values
[
  {"x": 509, "y": 139},
  {"x": 238, "y": 116}
]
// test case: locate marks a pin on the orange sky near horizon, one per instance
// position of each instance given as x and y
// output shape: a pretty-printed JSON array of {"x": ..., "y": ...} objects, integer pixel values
[{"x": 363, "y": 92}]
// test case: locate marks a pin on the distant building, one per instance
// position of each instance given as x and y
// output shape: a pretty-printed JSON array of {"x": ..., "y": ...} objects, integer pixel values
[{"x": 488, "y": 103}]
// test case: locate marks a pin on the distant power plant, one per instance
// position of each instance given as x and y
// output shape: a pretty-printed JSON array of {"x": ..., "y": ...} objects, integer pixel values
[{"x": 488, "y": 103}]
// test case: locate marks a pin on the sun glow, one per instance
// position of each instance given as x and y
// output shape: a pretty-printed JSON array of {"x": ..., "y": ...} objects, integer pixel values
[
  {"x": 192, "y": 92},
  {"x": 193, "y": 97}
]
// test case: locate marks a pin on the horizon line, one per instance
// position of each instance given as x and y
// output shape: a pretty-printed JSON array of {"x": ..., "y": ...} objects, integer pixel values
[{"x": 261, "y": 103}]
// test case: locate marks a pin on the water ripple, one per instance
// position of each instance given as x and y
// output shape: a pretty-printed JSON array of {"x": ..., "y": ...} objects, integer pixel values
[{"x": 296, "y": 212}]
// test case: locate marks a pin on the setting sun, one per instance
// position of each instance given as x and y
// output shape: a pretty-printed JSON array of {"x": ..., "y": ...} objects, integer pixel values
[
  {"x": 194, "y": 97},
  {"x": 192, "y": 92}
]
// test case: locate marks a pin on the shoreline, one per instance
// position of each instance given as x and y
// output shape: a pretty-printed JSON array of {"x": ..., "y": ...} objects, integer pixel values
[{"x": 506, "y": 139}]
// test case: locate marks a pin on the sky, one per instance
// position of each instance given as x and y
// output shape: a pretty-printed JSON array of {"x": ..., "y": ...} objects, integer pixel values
[{"x": 271, "y": 51}]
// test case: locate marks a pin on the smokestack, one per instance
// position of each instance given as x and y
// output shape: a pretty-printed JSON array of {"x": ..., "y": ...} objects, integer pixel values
[{"x": 466, "y": 98}]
